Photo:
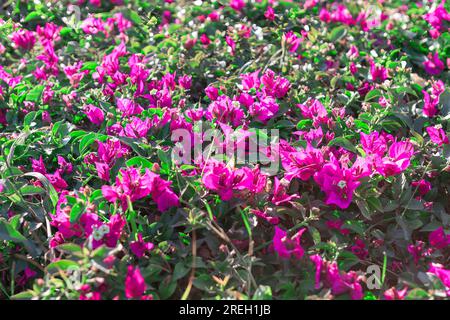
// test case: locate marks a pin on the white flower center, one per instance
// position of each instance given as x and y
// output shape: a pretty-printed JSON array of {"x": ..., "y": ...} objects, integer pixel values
[{"x": 342, "y": 184}]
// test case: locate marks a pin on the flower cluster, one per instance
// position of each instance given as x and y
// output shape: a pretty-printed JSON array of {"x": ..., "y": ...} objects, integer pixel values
[{"x": 223, "y": 149}]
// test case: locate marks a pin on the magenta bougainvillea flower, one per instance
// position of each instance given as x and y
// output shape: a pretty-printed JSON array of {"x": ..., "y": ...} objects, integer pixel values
[
  {"x": 436, "y": 19},
  {"x": 93, "y": 25},
  {"x": 185, "y": 82},
  {"x": 269, "y": 14},
  {"x": 103, "y": 233},
  {"x": 140, "y": 247},
  {"x": 353, "y": 52},
  {"x": 250, "y": 80},
  {"x": 23, "y": 39},
  {"x": 152, "y": 144},
  {"x": 74, "y": 73},
  {"x": 94, "y": 114},
  {"x": 359, "y": 249},
  {"x": 274, "y": 85},
  {"x": 394, "y": 294},
  {"x": 280, "y": 195},
  {"x": 231, "y": 44},
  {"x": 417, "y": 250},
  {"x": 225, "y": 110},
  {"x": 291, "y": 41},
  {"x": 161, "y": 192},
  {"x": 378, "y": 73},
  {"x": 49, "y": 32},
  {"x": 133, "y": 186},
  {"x": 137, "y": 128},
  {"x": 38, "y": 165},
  {"x": 430, "y": 105},
  {"x": 57, "y": 181},
  {"x": 265, "y": 109},
  {"x": 398, "y": 159},
  {"x": 135, "y": 286},
  {"x": 204, "y": 39},
  {"x": 337, "y": 182},
  {"x": 423, "y": 186},
  {"x": 128, "y": 107},
  {"x": 286, "y": 247},
  {"x": 224, "y": 180},
  {"x": 212, "y": 92},
  {"x": 433, "y": 65},
  {"x": 443, "y": 275},
  {"x": 339, "y": 282},
  {"x": 28, "y": 274},
  {"x": 107, "y": 154},
  {"x": 314, "y": 109},
  {"x": 302, "y": 164},
  {"x": 437, "y": 135},
  {"x": 439, "y": 239},
  {"x": 237, "y": 5},
  {"x": 55, "y": 178},
  {"x": 373, "y": 143},
  {"x": 92, "y": 296},
  {"x": 338, "y": 225},
  {"x": 110, "y": 150},
  {"x": 263, "y": 215},
  {"x": 255, "y": 180}
]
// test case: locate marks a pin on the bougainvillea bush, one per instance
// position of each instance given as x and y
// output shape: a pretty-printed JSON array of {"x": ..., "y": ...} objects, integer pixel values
[{"x": 237, "y": 149}]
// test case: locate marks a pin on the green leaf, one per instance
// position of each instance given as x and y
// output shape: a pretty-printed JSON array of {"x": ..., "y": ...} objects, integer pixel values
[
  {"x": 263, "y": 293},
  {"x": 63, "y": 264},
  {"x": 34, "y": 95},
  {"x": 139, "y": 162},
  {"x": 284, "y": 124},
  {"x": 355, "y": 226},
  {"x": 9, "y": 233},
  {"x": 76, "y": 212},
  {"x": 414, "y": 204},
  {"x": 167, "y": 288},
  {"x": 405, "y": 90},
  {"x": 70, "y": 247},
  {"x": 24, "y": 295},
  {"x": 30, "y": 117},
  {"x": 47, "y": 185},
  {"x": 344, "y": 143},
  {"x": 32, "y": 16},
  {"x": 337, "y": 33},
  {"x": 65, "y": 31},
  {"x": 364, "y": 127},
  {"x": 86, "y": 141},
  {"x": 375, "y": 204},
  {"x": 444, "y": 99},
  {"x": 315, "y": 234},
  {"x": 89, "y": 65},
  {"x": 166, "y": 162},
  {"x": 31, "y": 190},
  {"x": 373, "y": 94},
  {"x": 346, "y": 260},
  {"x": 369, "y": 296},
  {"x": 135, "y": 17},
  {"x": 302, "y": 124},
  {"x": 417, "y": 294},
  {"x": 364, "y": 208},
  {"x": 179, "y": 271}
]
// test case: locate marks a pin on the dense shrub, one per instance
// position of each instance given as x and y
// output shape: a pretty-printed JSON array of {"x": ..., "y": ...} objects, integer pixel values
[{"x": 113, "y": 184}]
